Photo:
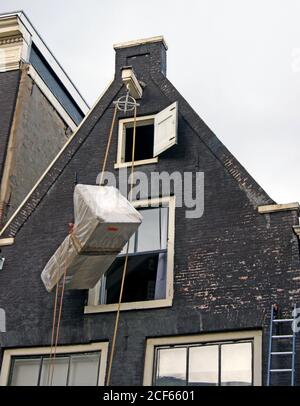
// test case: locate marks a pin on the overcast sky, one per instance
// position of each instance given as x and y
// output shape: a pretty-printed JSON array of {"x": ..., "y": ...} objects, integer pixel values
[{"x": 237, "y": 62}]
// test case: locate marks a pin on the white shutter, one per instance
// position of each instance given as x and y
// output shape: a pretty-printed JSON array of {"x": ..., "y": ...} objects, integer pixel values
[{"x": 165, "y": 129}]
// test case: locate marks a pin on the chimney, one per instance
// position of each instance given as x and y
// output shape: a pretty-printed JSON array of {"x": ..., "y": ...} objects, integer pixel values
[{"x": 144, "y": 55}]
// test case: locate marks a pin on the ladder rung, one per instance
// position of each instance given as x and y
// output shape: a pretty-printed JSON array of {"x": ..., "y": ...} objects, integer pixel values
[
  {"x": 283, "y": 336},
  {"x": 281, "y": 370},
  {"x": 282, "y": 320},
  {"x": 282, "y": 353}
]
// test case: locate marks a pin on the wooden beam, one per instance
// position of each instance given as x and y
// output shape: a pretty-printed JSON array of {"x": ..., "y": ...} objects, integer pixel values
[
  {"x": 272, "y": 208},
  {"x": 5, "y": 242}
]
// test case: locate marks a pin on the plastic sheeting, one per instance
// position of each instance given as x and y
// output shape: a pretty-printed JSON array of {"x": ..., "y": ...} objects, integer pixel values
[{"x": 104, "y": 222}]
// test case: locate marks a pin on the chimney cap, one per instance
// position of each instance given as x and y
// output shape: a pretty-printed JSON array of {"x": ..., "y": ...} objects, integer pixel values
[{"x": 143, "y": 41}]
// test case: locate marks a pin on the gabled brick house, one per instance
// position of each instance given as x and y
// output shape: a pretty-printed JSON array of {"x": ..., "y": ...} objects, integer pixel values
[{"x": 198, "y": 292}]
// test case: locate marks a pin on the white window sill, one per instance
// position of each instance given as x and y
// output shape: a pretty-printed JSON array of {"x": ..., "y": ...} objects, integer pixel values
[
  {"x": 150, "y": 304},
  {"x": 120, "y": 165}
]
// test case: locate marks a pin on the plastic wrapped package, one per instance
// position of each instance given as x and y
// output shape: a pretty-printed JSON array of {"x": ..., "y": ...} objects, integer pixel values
[{"x": 104, "y": 222}]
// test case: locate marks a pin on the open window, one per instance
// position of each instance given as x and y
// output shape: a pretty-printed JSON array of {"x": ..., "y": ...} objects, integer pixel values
[
  {"x": 78, "y": 365},
  {"x": 149, "y": 277},
  {"x": 216, "y": 359},
  {"x": 154, "y": 135}
]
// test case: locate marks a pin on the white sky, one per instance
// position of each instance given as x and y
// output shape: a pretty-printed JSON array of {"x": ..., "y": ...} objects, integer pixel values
[{"x": 237, "y": 62}]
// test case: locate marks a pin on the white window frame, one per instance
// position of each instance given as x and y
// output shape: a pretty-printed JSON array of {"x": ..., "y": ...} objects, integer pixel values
[
  {"x": 255, "y": 336},
  {"x": 65, "y": 349},
  {"x": 140, "y": 121},
  {"x": 93, "y": 305}
]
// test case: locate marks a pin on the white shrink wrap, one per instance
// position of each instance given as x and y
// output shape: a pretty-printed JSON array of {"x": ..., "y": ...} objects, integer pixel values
[{"x": 104, "y": 223}]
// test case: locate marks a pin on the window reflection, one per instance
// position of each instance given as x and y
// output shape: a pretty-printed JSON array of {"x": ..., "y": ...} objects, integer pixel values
[
  {"x": 80, "y": 369},
  {"x": 236, "y": 361},
  {"x": 203, "y": 365},
  {"x": 206, "y": 364},
  {"x": 152, "y": 234},
  {"x": 148, "y": 237},
  {"x": 60, "y": 372},
  {"x": 25, "y": 372},
  {"x": 171, "y": 367},
  {"x": 84, "y": 370}
]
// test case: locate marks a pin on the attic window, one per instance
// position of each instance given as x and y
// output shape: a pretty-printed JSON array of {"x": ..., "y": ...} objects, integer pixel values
[
  {"x": 143, "y": 142},
  {"x": 154, "y": 135}
]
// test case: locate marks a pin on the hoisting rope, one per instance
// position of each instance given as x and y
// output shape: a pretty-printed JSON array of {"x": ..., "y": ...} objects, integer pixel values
[
  {"x": 55, "y": 334},
  {"x": 56, "y": 327},
  {"x": 108, "y": 144},
  {"x": 125, "y": 263}
]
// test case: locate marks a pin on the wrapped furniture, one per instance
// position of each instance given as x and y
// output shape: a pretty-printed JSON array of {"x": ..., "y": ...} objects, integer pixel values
[{"x": 104, "y": 222}]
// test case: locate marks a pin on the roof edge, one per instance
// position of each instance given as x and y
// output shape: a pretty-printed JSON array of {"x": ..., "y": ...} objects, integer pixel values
[
  {"x": 33, "y": 35},
  {"x": 21, "y": 210},
  {"x": 256, "y": 194}
]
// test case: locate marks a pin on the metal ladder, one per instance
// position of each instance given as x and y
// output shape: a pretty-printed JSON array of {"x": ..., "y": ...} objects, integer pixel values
[{"x": 274, "y": 324}]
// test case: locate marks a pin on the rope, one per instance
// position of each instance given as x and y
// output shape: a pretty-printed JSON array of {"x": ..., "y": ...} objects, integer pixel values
[
  {"x": 54, "y": 345},
  {"x": 53, "y": 358},
  {"x": 53, "y": 349},
  {"x": 125, "y": 264},
  {"x": 53, "y": 333},
  {"x": 108, "y": 143}
]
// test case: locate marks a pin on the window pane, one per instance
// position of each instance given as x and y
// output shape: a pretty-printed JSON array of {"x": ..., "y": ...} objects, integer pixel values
[
  {"x": 149, "y": 231},
  {"x": 25, "y": 372},
  {"x": 161, "y": 277},
  {"x": 164, "y": 212},
  {"x": 203, "y": 365},
  {"x": 236, "y": 364},
  {"x": 84, "y": 370},
  {"x": 140, "y": 279},
  {"x": 171, "y": 367},
  {"x": 60, "y": 371},
  {"x": 152, "y": 233}
]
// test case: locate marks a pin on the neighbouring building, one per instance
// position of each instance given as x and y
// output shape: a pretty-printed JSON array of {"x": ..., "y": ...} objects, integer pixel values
[
  {"x": 199, "y": 288},
  {"x": 39, "y": 109}
]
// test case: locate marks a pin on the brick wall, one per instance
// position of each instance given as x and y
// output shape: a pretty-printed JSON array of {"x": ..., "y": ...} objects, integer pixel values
[{"x": 39, "y": 134}]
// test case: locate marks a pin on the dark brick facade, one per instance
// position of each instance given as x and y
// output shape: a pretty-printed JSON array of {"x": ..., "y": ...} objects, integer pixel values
[
  {"x": 39, "y": 132},
  {"x": 30, "y": 128},
  {"x": 230, "y": 265}
]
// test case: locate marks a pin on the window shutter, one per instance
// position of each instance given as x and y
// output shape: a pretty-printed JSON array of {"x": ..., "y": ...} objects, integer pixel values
[{"x": 165, "y": 129}]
